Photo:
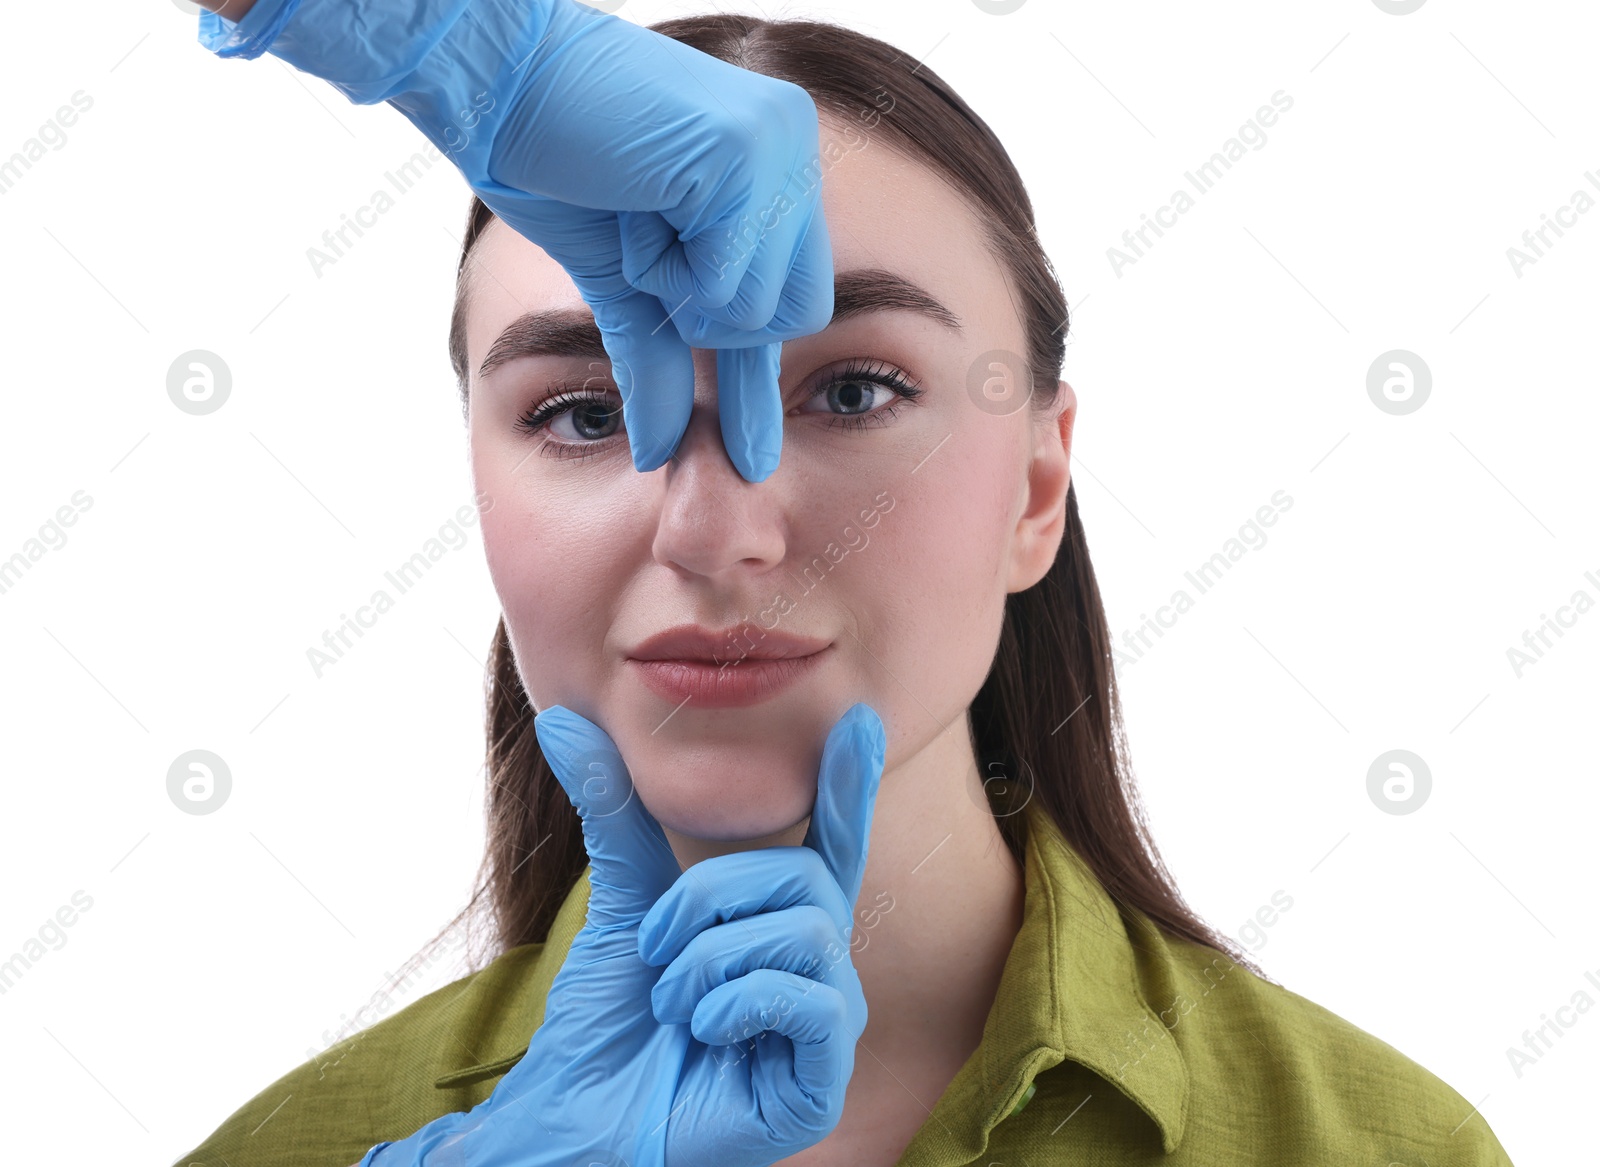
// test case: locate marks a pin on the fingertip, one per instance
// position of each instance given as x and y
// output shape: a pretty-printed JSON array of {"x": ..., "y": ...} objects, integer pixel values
[
  {"x": 872, "y": 726},
  {"x": 750, "y": 407},
  {"x": 650, "y": 937},
  {"x": 665, "y": 1007},
  {"x": 584, "y": 759},
  {"x": 650, "y": 438},
  {"x": 862, "y": 721},
  {"x": 757, "y": 462},
  {"x": 552, "y": 724},
  {"x": 654, "y": 373},
  {"x": 710, "y": 1023},
  {"x": 861, "y": 713},
  {"x": 648, "y": 456}
]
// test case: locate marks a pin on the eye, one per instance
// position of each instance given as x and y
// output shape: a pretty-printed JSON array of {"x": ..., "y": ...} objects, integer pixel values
[
  {"x": 862, "y": 393},
  {"x": 577, "y": 419}
]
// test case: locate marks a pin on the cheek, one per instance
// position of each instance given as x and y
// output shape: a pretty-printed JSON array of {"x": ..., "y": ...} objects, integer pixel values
[
  {"x": 550, "y": 558},
  {"x": 933, "y": 579},
  {"x": 951, "y": 528}
]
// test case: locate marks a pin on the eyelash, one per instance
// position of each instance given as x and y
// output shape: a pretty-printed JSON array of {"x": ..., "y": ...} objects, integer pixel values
[{"x": 536, "y": 419}]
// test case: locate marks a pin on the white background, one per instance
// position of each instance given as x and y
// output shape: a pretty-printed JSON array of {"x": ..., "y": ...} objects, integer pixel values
[{"x": 1227, "y": 363}]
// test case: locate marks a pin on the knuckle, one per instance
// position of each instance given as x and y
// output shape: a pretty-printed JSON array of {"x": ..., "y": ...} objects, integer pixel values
[
  {"x": 834, "y": 1009},
  {"x": 793, "y": 105},
  {"x": 818, "y": 317},
  {"x": 819, "y": 930},
  {"x": 742, "y": 312}
]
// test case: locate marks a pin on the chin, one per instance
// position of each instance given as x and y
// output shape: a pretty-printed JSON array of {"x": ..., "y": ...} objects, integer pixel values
[{"x": 723, "y": 798}]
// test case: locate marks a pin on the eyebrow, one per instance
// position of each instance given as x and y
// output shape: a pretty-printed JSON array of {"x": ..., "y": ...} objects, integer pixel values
[{"x": 572, "y": 332}]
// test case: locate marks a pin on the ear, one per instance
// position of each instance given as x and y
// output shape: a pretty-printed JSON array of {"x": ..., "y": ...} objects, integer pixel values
[{"x": 1044, "y": 514}]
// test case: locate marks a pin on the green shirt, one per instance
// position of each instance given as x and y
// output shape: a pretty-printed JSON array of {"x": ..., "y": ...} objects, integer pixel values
[{"x": 1109, "y": 1042}]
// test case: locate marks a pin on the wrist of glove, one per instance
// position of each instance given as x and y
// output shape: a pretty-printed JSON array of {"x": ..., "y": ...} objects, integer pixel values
[
  {"x": 445, "y": 64},
  {"x": 247, "y": 38}
]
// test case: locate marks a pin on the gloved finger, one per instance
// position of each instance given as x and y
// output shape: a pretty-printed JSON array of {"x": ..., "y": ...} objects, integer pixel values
[
  {"x": 803, "y": 939},
  {"x": 653, "y": 259},
  {"x": 735, "y": 886},
  {"x": 770, "y": 280},
  {"x": 847, "y": 791},
  {"x": 815, "y": 1017},
  {"x": 650, "y": 362},
  {"x": 756, "y": 296},
  {"x": 805, "y": 305},
  {"x": 631, "y": 862},
  {"x": 654, "y": 372},
  {"x": 750, "y": 408}
]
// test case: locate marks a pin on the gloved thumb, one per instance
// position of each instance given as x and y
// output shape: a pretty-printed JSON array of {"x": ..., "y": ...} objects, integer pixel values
[
  {"x": 847, "y": 794},
  {"x": 631, "y": 863}
]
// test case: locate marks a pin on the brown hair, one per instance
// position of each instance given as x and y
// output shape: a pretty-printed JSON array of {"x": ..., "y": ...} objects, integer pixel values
[{"x": 1047, "y": 719}]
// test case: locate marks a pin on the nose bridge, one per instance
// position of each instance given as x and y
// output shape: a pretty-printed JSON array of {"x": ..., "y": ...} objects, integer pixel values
[{"x": 711, "y": 519}]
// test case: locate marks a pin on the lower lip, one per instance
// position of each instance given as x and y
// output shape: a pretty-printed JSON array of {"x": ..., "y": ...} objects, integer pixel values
[{"x": 747, "y": 682}]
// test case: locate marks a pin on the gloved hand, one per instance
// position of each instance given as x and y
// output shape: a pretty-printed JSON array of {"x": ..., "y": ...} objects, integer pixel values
[
  {"x": 738, "y": 1054},
  {"x": 669, "y": 184}
]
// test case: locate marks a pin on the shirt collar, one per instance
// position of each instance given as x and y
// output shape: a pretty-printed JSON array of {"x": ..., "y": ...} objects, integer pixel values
[{"x": 1070, "y": 991}]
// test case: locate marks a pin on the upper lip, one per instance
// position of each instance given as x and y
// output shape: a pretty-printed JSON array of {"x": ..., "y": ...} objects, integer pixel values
[{"x": 743, "y": 641}]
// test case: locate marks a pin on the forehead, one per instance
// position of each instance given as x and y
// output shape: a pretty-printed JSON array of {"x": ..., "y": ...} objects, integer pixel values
[{"x": 884, "y": 210}]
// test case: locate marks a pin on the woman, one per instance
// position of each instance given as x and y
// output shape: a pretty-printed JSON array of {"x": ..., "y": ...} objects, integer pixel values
[{"x": 1038, "y": 990}]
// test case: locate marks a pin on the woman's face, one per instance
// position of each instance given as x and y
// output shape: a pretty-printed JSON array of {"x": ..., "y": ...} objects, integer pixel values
[{"x": 891, "y": 531}]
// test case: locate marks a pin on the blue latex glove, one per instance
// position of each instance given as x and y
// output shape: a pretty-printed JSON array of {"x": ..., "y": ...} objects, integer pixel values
[
  {"x": 739, "y": 1052},
  {"x": 667, "y": 183}
]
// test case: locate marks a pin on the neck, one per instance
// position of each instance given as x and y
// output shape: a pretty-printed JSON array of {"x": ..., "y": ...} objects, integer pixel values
[{"x": 940, "y": 905}]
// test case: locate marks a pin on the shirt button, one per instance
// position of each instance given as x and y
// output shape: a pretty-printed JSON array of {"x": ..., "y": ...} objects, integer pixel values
[{"x": 1027, "y": 1096}]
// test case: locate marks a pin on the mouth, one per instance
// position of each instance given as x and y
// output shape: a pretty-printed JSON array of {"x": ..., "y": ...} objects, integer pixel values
[
  {"x": 725, "y": 686},
  {"x": 724, "y": 670}
]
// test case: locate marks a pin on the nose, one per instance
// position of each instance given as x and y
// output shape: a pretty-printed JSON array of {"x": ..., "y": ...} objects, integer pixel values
[{"x": 713, "y": 522}]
